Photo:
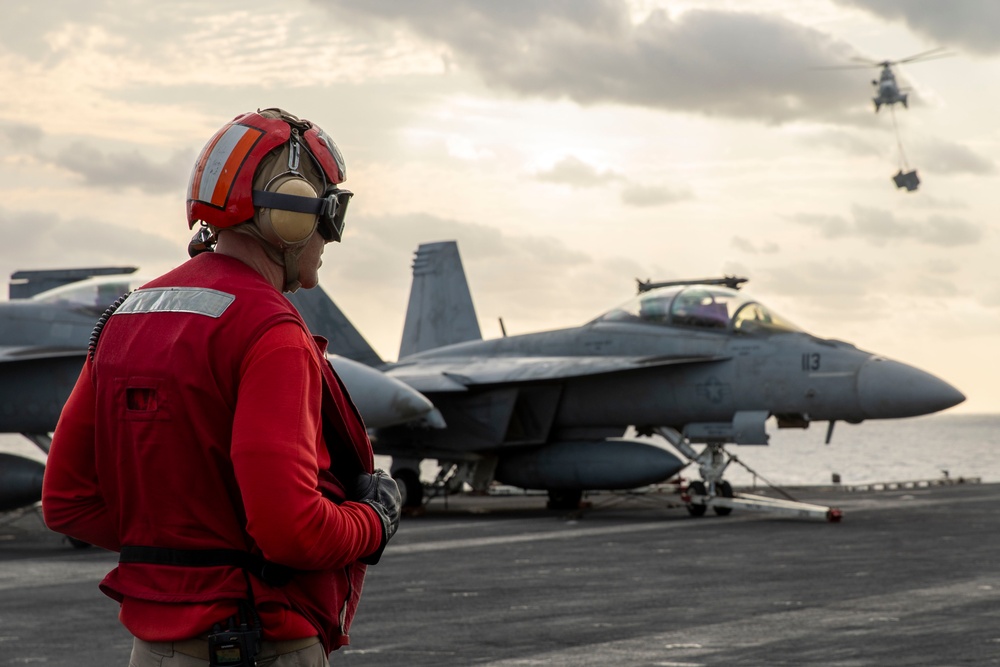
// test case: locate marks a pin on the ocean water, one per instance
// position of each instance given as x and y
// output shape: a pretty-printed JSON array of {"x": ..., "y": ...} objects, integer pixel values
[{"x": 899, "y": 450}]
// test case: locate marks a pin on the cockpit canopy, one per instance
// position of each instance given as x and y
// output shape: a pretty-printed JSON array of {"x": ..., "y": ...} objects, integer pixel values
[
  {"x": 700, "y": 307},
  {"x": 93, "y": 295}
]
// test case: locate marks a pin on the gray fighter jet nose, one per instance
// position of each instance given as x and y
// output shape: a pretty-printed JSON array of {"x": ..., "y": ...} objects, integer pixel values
[{"x": 889, "y": 389}]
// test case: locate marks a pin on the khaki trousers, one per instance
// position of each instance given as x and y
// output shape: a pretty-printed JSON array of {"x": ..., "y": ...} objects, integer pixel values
[{"x": 194, "y": 653}]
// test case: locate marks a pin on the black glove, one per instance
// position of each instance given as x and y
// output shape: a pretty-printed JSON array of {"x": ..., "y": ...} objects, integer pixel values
[{"x": 380, "y": 492}]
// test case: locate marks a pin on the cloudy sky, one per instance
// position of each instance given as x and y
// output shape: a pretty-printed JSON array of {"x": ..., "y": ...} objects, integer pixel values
[{"x": 569, "y": 146}]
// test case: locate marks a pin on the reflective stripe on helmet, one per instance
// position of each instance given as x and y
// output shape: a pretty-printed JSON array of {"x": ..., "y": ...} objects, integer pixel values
[{"x": 218, "y": 165}]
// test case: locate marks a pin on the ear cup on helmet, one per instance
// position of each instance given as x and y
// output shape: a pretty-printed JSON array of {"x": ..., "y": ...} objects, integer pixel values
[{"x": 282, "y": 227}]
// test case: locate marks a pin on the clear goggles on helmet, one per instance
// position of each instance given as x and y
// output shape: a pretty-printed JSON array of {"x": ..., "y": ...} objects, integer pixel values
[{"x": 331, "y": 216}]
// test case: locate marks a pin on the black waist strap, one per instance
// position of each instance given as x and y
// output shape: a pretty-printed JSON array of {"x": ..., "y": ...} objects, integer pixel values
[{"x": 270, "y": 573}]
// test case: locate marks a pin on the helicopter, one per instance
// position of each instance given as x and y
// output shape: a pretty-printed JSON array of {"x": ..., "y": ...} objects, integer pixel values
[
  {"x": 887, "y": 89},
  {"x": 888, "y": 93}
]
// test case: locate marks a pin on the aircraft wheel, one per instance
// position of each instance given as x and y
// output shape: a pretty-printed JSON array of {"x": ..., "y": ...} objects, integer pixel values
[
  {"x": 565, "y": 500},
  {"x": 725, "y": 490},
  {"x": 410, "y": 487},
  {"x": 697, "y": 489}
]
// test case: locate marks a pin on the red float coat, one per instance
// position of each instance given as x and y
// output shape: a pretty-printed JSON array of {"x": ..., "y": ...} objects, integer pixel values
[{"x": 205, "y": 430}]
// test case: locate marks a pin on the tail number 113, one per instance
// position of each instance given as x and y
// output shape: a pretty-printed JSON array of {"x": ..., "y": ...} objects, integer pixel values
[{"x": 810, "y": 361}]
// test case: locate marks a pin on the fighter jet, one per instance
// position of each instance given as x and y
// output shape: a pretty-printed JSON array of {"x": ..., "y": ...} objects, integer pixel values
[
  {"x": 694, "y": 363},
  {"x": 43, "y": 342}
]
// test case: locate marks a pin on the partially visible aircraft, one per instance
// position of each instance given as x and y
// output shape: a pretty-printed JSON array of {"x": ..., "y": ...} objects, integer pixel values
[
  {"x": 43, "y": 343},
  {"x": 887, "y": 90},
  {"x": 888, "y": 93},
  {"x": 694, "y": 363}
]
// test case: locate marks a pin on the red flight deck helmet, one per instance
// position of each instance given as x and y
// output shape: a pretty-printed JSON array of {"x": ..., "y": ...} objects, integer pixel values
[{"x": 278, "y": 170}]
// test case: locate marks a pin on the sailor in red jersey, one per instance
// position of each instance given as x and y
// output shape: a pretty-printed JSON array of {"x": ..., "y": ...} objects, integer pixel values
[{"x": 209, "y": 441}]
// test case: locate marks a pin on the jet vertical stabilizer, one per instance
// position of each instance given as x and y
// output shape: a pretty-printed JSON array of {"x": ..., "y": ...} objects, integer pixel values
[
  {"x": 440, "y": 311},
  {"x": 325, "y": 319}
]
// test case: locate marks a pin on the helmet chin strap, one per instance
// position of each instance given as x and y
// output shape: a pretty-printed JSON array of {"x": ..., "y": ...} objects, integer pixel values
[
  {"x": 287, "y": 258},
  {"x": 292, "y": 268}
]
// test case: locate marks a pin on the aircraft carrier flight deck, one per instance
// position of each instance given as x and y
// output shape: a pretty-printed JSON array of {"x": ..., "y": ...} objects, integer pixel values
[{"x": 909, "y": 577}]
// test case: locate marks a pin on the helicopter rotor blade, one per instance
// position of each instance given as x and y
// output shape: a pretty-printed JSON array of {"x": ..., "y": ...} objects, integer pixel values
[
  {"x": 842, "y": 67},
  {"x": 927, "y": 55},
  {"x": 920, "y": 57}
]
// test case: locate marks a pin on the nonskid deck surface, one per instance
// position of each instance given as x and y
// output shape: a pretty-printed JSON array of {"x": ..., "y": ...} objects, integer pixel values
[{"x": 909, "y": 577}]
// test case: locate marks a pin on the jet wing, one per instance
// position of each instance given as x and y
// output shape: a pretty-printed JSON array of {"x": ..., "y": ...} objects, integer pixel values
[
  {"x": 34, "y": 384},
  {"x": 52, "y": 371},
  {"x": 10, "y": 354},
  {"x": 460, "y": 374}
]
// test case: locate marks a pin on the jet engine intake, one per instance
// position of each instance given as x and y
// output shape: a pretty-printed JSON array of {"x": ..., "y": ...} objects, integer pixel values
[{"x": 609, "y": 464}]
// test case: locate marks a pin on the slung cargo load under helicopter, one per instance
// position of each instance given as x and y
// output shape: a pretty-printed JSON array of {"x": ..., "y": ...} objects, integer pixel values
[{"x": 888, "y": 93}]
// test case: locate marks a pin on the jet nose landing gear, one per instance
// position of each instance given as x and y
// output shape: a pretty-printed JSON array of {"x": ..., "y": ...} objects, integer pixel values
[
  {"x": 698, "y": 498},
  {"x": 712, "y": 464},
  {"x": 713, "y": 491}
]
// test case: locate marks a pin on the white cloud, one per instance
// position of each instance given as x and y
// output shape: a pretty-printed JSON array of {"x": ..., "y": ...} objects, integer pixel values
[
  {"x": 848, "y": 142},
  {"x": 823, "y": 292},
  {"x": 948, "y": 157},
  {"x": 970, "y": 24},
  {"x": 742, "y": 65},
  {"x": 748, "y": 246},
  {"x": 644, "y": 196},
  {"x": 123, "y": 170},
  {"x": 573, "y": 171},
  {"x": 881, "y": 227},
  {"x": 20, "y": 136},
  {"x": 829, "y": 226},
  {"x": 448, "y": 112},
  {"x": 44, "y": 240}
]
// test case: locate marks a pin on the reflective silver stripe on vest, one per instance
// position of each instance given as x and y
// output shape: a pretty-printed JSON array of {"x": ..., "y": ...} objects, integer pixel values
[{"x": 196, "y": 300}]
